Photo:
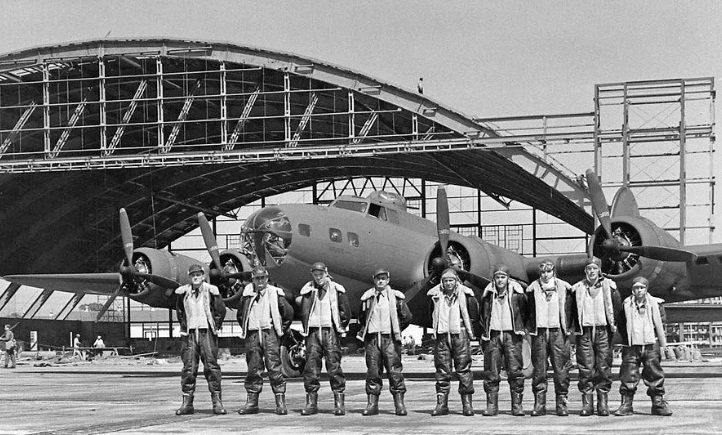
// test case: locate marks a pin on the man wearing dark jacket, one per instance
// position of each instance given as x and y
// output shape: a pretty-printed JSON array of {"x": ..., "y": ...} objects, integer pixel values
[
  {"x": 200, "y": 313},
  {"x": 503, "y": 306},
  {"x": 264, "y": 316},
  {"x": 325, "y": 313},
  {"x": 454, "y": 318},
  {"x": 549, "y": 313},
  {"x": 384, "y": 314}
]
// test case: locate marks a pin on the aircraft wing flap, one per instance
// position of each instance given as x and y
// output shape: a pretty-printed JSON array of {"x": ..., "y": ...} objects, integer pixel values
[{"x": 86, "y": 283}]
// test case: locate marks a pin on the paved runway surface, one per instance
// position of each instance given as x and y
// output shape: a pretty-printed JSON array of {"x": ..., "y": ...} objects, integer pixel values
[{"x": 139, "y": 397}]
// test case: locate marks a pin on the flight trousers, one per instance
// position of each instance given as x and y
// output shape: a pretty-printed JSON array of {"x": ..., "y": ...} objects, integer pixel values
[
  {"x": 263, "y": 350},
  {"x": 200, "y": 344},
  {"x": 508, "y": 345},
  {"x": 323, "y": 343},
  {"x": 453, "y": 350},
  {"x": 648, "y": 356},
  {"x": 594, "y": 357},
  {"x": 383, "y": 352},
  {"x": 550, "y": 343}
]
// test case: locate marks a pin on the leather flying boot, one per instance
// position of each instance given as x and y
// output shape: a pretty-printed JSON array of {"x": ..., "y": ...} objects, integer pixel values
[
  {"x": 187, "y": 406},
  {"x": 251, "y": 406},
  {"x": 587, "y": 405},
  {"x": 602, "y": 405},
  {"x": 562, "y": 410},
  {"x": 660, "y": 406},
  {"x": 281, "y": 404},
  {"x": 442, "y": 404},
  {"x": 492, "y": 405},
  {"x": 626, "y": 407},
  {"x": 217, "y": 404},
  {"x": 398, "y": 403},
  {"x": 516, "y": 408},
  {"x": 540, "y": 404},
  {"x": 372, "y": 407},
  {"x": 468, "y": 410},
  {"x": 339, "y": 406},
  {"x": 311, "y": 404}
]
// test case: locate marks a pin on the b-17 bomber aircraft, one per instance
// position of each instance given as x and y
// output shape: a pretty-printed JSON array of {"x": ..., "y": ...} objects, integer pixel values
[{"x": 355, "y": 235}]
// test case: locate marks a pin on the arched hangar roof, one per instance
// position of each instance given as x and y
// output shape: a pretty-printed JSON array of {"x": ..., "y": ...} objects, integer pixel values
[{"x": 166, "y": 127}]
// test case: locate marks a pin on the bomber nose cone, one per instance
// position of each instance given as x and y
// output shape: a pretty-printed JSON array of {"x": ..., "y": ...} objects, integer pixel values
[{"x": 269, "y": 232}]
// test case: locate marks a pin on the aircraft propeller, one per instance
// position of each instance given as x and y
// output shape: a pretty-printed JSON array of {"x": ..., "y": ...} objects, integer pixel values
[
  {"x": 128, "y": 271},
  {"x": 611, "y": 245},
  {"x": 443, "y": 262},
  {"x": 212, "y": 246}
]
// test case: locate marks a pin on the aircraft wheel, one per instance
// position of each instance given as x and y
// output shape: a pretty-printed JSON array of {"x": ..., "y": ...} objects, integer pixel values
[{"x": 293, "y": 355}]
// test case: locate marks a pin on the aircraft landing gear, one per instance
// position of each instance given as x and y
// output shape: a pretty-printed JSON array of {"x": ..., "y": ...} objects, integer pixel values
[{"x": 293, "y": 355}]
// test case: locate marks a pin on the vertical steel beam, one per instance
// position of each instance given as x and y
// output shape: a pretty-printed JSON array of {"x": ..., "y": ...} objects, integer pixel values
[
  {"x": 304, "y": 120},
  {"x": 626, "y": 152},
  {"x": 242, "y": 120},
  {"x": 102, "y": 109},
  {"x": 46, "y": 108},
  {"x": 682, "y": 163},
  {"x": 159, "y": 97},
  {"x": 18, "y": 126},
  {"x": 415, "y": 125},
  {"x": 597, "y": 131},
  {"x": 351, "y": 117},
  {"x": 287, "y": 107},
  {"x": 115, "y": 141},
  {"x": 224, "y": 104}
]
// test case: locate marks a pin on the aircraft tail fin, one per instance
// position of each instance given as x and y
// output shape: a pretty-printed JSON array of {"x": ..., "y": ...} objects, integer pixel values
[{"x": 624, "y": 203}]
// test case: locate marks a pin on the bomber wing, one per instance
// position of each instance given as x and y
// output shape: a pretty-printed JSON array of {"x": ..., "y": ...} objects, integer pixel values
[{"x": 85, "y": 283}]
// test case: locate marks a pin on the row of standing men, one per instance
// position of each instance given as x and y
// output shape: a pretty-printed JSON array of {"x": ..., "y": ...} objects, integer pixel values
[{"x": 551, "y": 310}]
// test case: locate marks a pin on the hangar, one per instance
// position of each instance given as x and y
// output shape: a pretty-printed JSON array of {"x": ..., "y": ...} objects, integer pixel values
[{"x": 167, "y": 128}]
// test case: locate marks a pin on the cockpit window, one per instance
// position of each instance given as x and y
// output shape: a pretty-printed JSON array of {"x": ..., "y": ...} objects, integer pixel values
[
  {"x": 376, "y": 210},
  {"x": 351, "y": 205}
]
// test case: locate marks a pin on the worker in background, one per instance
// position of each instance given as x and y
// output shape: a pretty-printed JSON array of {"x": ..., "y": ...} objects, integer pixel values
[
  {"x": 325, "y": 313},
  {"x": 384, "y": 314},
  {"x": 201, "y": 312},
  {"x": 264, "y": 316},
  {"x": 641, "y": 326}
]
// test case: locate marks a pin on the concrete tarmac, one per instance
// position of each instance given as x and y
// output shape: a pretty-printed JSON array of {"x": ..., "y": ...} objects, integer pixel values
[{"x": 139, "y": 396}]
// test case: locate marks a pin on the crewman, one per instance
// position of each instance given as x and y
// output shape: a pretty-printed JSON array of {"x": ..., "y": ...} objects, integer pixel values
[
  {"x": 384, "y": 314},
  {"x": 325, "y": 313},
  {"x": 641, "y": 326},
  {"x": 10, "y": 346},
  {"x": 503, "y": 305},
  {"x": 454, "y": 308},
  {"x": 593, "y": 312},
  {"x": 200, "y": 313},
  {"x": 264, "y": 316},
  {"x": 548, "y": 317}
]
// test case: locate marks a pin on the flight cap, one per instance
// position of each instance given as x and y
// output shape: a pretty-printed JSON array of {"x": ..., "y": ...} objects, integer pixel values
[
  {"x": 450, "y": 273},
  {"x": 500, "y": 269},
  {"x": 319, "y": 266},
  {"x": 546, "y": 266},
  {"x": 593, "y": 260},
  {"x": 381, "y": 271},
  {"x": 195, "y": 268},
  {"x": 640, "y": 281}
]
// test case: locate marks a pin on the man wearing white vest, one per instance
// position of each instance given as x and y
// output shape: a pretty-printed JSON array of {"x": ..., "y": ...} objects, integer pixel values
[
  {"x": 548, "y": 316},
  {"x": 325, "y": 313},
  {"x": 455, "y": 308},
  {"x": 642, "y": 329},
  {"x": 264, "y": 316},
  {"x": 201, "y": 312},
  {"x": 594, "y": 301},
  {"x": 384, "y": 314}
]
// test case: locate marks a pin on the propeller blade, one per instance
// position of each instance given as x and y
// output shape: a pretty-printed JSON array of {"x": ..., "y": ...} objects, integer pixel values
[
  {"x": 660, "y": 253},
  {"x": 417, "y": 288},
  {"x": 108, "y": 303},
  {"x": 476, "y": 280},
  {"x": 126, "y": 236},
  {"x": 158, "y": 280},
  {"x": 242, "y": 275},
  {"x": 210, "y": 240},
  {"x": 599, "y": 202},
  {"x": 442, "y": 219}
]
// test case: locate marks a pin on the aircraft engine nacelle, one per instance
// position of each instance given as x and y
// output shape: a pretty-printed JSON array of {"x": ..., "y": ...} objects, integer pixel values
[
  {"x": 622, "y": 266},
  {"x": 162, "y": 263},
  {"x": 232, "y": 260}
]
